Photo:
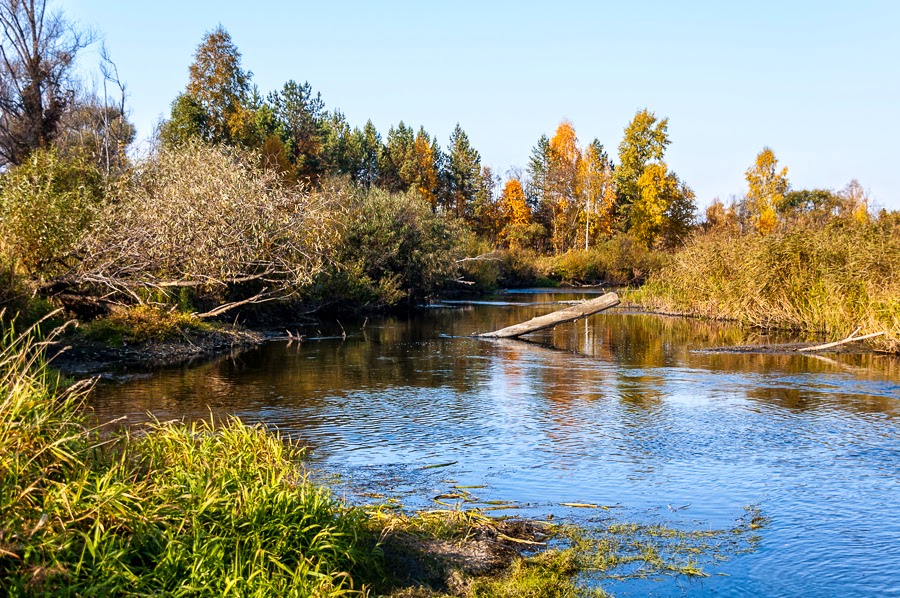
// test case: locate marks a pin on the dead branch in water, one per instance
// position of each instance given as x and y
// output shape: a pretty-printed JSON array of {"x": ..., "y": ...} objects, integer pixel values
[{"x": 850, "y": 339}]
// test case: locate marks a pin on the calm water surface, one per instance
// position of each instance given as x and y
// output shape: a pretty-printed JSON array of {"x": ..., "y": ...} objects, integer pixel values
[{"x": 623, "y": 410}]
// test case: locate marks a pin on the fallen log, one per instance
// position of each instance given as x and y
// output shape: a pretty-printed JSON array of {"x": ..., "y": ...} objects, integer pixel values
[
  {"x": 570, "y": 314},
  {"x": 850, "y": 339}
]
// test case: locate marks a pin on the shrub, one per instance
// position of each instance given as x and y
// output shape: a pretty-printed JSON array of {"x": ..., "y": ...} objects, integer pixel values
[
  {"x": 46, "y": 205},
  {"x": 208, "y": 218},
  {"x": 621, "y": 260},
  {"x": 392, "y": 248},
  {"x": 482, "y": 264}
]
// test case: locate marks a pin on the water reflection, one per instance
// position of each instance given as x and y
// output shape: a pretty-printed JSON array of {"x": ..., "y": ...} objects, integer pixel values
[{"x": 624, "y": 408}]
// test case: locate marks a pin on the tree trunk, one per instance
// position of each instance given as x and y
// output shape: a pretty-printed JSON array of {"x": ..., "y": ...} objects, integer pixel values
[{"x": 582, "y": 310}]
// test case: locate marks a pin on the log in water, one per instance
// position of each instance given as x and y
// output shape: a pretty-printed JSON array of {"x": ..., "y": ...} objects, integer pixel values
[{"x": 576, "y": 312}]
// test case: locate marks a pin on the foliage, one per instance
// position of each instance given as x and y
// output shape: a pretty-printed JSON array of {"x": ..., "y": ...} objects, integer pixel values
[
  {"x": 46, "y": 205},
  {"x": 365, "y": 146},
  {"x": 485, "y": 218},
  {"x": 581, "y": 198},
  {"x": 515, "y": 214},
  {"x": 480, "y": 269},
  {"x": 214, "y": 105},
  {"x": 141, "y": 324},
  {"x": 549, "y": 574},
  {"x": 392, "y": 248},
  {"x": 664, "y": 212},
  {"x": 597, "y": 192},
  {"x": 520, "y": 268},
  {"x": 537, "y": 187},
  {"x": 98, "y": 132},
  {"x": 300, "y": 120},
  {"x": 767, "y": 189},
  {"x": 819, "y": 206},
  {"x": 621, "y": 260},
  {"x": 723, "y": 218},
  {"x": 396, "y": 156},
  {"x": 829, "y": 279},
  {"x": 644, "y": 142},
  {"x": 422, "y": 173},
  {"x": 463, "y": 174}
]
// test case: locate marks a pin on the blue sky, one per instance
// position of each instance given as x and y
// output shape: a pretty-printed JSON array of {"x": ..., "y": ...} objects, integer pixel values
[{"x": 818, "y": 82}]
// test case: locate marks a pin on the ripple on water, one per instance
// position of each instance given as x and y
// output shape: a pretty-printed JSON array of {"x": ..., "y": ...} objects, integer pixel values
[{"x": 616, "y": 412}]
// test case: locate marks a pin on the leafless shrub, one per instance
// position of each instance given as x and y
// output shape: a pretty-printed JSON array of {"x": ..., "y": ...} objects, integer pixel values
[{"x": 207, "y": 218}]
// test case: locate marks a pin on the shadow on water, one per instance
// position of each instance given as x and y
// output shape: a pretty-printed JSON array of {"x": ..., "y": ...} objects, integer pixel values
[{"x": 618, "y": 410}]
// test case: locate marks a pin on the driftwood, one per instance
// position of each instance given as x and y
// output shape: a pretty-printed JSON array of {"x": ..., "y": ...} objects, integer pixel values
[
  {"x": 850, "y": 339},
  {"x": 582, "y": 310}
]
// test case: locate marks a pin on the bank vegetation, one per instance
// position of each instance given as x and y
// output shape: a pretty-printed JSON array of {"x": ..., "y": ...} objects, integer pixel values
[{"x": 266, "y": 207}]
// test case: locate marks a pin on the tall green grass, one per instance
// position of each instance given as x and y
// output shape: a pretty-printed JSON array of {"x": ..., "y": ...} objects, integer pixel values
[
  {"x": 178, "y": 511},
  {"x": 827, "y": 279}
]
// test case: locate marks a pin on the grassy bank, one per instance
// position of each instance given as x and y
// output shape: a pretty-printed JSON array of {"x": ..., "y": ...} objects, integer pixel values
[
  {"x": 180, "y": 510},
  {"x": 829, "y": 279}
]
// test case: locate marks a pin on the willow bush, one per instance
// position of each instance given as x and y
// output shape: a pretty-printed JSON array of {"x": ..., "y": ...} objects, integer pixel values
[
  {"x": 46, "y": 205},
  {"x": 210, "y": 218}
]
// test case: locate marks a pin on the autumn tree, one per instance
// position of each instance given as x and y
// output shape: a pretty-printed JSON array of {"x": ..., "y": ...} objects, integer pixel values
[
  {"x": 463, "y": 173},
  {"x": 596, "y": 192},
  {"x": 214, "y": 105},
  {"x": 515, "y": 215},
  {"x": 648, "y": 211},
  {"x": 424, "y": 168},
  {"x": 562, "y": 182},
  {"x": 767, "y": 189},
  {"x": 664, "y": 212},
  {"x": 854, "y": 202},
  {"x": 720, "y": 217},
  {"x": 38, "y": 47},
  {"x": 644, "y": 142}
]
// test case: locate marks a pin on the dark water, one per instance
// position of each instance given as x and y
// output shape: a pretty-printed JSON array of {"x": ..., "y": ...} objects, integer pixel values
[{"x": 621, "y": 410}]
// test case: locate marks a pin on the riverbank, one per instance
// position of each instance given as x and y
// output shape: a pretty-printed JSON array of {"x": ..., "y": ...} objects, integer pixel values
[
  {"x": 826, "y": 280},
  {"x": 80, "y": 356},
  {"x": 83, "y": 354},
  {"x": 228, "y": 509}
]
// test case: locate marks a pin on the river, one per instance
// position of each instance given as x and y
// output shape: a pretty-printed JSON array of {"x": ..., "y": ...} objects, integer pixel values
[{"x": 624, "y": 409}]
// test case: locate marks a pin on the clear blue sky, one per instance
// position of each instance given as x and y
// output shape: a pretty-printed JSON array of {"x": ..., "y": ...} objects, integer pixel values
[{"x": 818, "y": 82}]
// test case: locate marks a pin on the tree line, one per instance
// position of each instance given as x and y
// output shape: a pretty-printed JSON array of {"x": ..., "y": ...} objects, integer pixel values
[
  {"x": 70, "y": 190},
  {"x": 570, "y": 196}
]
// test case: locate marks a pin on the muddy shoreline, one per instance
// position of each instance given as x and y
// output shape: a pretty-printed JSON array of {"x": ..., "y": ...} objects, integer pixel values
[{"x": 80, "y": 357}]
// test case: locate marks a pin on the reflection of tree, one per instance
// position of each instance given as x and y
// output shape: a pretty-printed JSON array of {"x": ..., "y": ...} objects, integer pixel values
[
  {"x": 565, "y": 390},
  {"x": 563, "y": 376},
  {"x": 392, "y": 353}
]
